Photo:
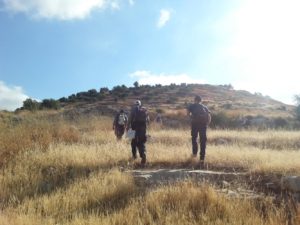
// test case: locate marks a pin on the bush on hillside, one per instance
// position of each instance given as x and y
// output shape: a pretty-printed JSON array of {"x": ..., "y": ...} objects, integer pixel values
[
  {"x": 50, "y": 104},
  {"x": 172, "y": 100},
  {"x": 280, "y": 122},
  {"x": 30, "y": 104},
  {"x": 104, "y": 90},
  {"x": 159, "y": 110},
  {"x": 63, "y": 99},
  {"x": 72, "y": 98},
  {"x": 136, "y": 84},
  {"x": 222, "y": 120},
  {"x": 119, "y": 89},
  {"x": 92, "y": 93}
]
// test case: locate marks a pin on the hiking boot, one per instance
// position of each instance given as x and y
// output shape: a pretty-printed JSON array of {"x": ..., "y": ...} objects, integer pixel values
[
  {"x": 143, "y": 161},
  {"x": 194, "y": 155}
]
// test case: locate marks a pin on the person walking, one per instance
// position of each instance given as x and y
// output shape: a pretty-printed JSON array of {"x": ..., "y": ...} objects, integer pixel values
[
  {"x": 200, "y": 119},
  {"x": 138, "y": 120},
  {"x": 120, "y": 123}
]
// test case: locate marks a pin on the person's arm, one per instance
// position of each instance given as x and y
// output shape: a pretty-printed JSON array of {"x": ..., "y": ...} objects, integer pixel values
[
  {"x": 209, "y": 118},
  {"x": 148, "y": 119},
  {"x": 115, "y": 121},
  {"x": 129, "y": 120},
  {"x": 209, "y": 115},
  {"x": 126, "y": 121},
  {"x": 188, "y": 111}
]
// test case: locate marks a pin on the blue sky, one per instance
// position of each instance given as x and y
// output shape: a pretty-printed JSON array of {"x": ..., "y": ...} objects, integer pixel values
[{"x": 54, "y": 48}]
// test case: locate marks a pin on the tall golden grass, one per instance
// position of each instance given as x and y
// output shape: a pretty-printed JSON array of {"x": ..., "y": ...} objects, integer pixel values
[
  {"x": 68, "y": 172},
  {"x": 112, "y": 198}
]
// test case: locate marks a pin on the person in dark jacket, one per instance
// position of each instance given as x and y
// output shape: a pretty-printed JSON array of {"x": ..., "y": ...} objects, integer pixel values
[
  {"x": 200, "y": 119},
  {"x": 120, "y": 123},
  {"x": 138, "y": 120}
]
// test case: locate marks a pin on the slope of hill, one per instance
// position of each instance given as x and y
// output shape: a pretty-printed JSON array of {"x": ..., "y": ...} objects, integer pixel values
[
  {"x": 230, "y": 108},
  {"x": 235, "y": 106}
]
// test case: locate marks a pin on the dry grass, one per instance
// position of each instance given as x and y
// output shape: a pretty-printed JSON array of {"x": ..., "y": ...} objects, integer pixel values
[
  {"x": 184, "y": 203},
  {"x": 39, "y": 135},
  {"x": 68, "y": 174}
]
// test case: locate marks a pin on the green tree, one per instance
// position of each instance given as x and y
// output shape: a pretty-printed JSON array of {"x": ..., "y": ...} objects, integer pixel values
[
  {"x": 30, "y": 104},
  {"x": 50, "y": 104},
  {"x": 136, "y": 84},
  {"x": 92, "y": 92},
  {"x": 104, "y": 90}
]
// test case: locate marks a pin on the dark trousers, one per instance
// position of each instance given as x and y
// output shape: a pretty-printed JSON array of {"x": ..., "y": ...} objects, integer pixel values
[
  {"x": 119, "y": 131},
  {"x": 201, "y": 131},
  {"x": 139, "y": 142}
]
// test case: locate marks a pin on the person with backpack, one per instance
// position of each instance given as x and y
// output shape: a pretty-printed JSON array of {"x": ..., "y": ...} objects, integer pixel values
[
  {"x": 138, "y": 120},
  {"x": 120, "y": 123},
  {"x": 200, "y": 119}
]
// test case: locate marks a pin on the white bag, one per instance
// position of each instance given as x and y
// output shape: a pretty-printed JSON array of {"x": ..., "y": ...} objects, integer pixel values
[{"x": 130, "y": 134}]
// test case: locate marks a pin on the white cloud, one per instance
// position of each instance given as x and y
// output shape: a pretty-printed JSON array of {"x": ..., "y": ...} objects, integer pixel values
[
  {"x": 164, "y": 17},
  {"x": 115, "y": 5},
  {"x": 263, "y": 47},
  {"x": 11, "y": 97},
  {"x": 55, "y": 9},
  {"x": 146, "y": 77},
  {"x": 131, "y": 2}
]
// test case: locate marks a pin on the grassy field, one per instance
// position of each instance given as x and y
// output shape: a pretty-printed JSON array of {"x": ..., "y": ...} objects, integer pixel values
[{"x": 70, "y": 172}]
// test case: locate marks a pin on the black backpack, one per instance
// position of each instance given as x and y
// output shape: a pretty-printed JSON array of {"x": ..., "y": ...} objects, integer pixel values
[
  {"x": 200, "y": 114},
  {"x": 140, "y": 115},
  {"x": 122, "y": 119}
]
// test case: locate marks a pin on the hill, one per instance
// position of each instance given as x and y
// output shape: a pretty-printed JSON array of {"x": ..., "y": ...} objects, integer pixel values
[{"x": 230, "y": 107}]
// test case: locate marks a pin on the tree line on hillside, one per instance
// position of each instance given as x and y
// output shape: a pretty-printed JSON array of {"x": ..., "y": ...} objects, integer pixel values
[
  {"x": 147, "y": 93},
  {"x": 122, "y": 91},
  {"x": 33, "y": 105}
]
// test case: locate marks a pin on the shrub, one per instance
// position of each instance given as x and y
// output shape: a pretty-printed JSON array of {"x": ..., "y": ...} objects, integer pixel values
[
  {"x": 159, "y": 110},
  {"x": 101, "y": 96},
  {"x": 222, "y": 120},
  {"x": 31, "y": 105},
  {"x": 280, "y": 122},
  {"x": 72, "y": 98},
  {"x": 120, "y": 91},
  {"x": 104, "y": 90},
  {"x": 146, "y": 98},
  {"x": 63, "y": 99},
  {"x": 92, "y": 92},
  {"x": 172, "y": 100},
  {"x": 227, "y": 106},
  {"x": 50, "y": 104},
  {"x": 136, "y": 84}
]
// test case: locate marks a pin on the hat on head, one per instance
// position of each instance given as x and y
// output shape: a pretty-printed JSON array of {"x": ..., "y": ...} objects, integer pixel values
[
  {"x": 198, "y": 98},
  {"x": 138, "y": 102}
]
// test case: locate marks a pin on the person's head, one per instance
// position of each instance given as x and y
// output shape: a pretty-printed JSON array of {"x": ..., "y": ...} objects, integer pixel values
[
  {"x": 121, "y": 111},
  {"x": 197, "y": 99},
  {"x": 138, "y": 103}
]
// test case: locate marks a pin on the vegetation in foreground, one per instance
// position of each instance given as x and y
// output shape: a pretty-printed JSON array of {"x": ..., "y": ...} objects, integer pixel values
[{"x": 66, "y": 172}]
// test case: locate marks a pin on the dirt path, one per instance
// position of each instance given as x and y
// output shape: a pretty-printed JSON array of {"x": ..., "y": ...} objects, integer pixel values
[{"x": 233, "y": 184}]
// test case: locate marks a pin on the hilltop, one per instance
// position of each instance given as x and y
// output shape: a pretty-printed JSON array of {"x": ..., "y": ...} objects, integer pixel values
[{"x": 230, "y": 108}]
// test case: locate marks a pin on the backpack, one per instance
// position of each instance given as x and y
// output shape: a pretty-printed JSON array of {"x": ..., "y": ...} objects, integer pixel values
[
  {"x": 140, "y": 115},
  {"x": 200, "y": 114},
  {"x": 122, "y": 119}
]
